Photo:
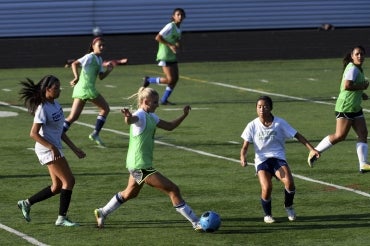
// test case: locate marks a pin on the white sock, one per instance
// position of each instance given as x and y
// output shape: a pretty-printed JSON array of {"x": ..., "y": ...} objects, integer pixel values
[
  {"x": 188, "y": 213},
  {"x": 324, "y": 145},
  {"x": 113, "y": 204},
  {"x": 361, "y": 149}
]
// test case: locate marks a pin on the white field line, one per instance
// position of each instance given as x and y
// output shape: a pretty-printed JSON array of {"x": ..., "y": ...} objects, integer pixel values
[
  {"x": 22, "y": 235},
  {"x": 203, "y": 152}
]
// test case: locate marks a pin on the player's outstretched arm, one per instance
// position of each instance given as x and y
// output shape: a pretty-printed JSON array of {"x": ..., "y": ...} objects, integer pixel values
[{"x": 170, "y": 125}]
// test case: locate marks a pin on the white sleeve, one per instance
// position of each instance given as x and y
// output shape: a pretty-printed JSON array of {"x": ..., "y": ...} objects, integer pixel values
[
  {"x": 85, "y": 60},
  {"x": 166, "y": 30},
  {"x": 40, "y": 116},
  {"x": 351, "y": 74}
]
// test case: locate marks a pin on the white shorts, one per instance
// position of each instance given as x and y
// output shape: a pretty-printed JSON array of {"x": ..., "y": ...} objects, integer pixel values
[
  {"x": 47, "y": 156},
  {"x": 162, "y": 63}
]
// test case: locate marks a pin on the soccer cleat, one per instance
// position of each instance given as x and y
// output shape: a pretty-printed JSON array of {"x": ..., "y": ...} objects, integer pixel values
[
  {"x": 99, "y": 218},
  {"x": 365, "y": 168},
  {"x": 268, "y": 219},
  {"x": 64, "y": 221},
  {"x": 311, "y": 159},
  {"x": 145, "y": 81},
  {"x": 26, "y": 209},
  {"x": 96, "y": 139},
  {"x": 291, "y": 213},
  {"x": 197, "y": 227}
]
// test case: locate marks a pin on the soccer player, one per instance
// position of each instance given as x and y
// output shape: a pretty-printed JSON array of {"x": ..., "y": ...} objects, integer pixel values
[
  {"x": 168, "y": 45},
  {"x": 139, "y": 161},
  {"x": 84, "y": 87},
  {"x": 268, "y": 133},
  {"x": 348, "y": 110},
  {"x": 47, "y": 131}
]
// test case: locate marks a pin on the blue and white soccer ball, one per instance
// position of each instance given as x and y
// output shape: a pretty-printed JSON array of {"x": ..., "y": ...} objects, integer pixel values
[{"x": 210, "y": 221}]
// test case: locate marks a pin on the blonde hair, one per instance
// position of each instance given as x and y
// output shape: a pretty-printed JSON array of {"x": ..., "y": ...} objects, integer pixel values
[{"x": 143, "y": 93}]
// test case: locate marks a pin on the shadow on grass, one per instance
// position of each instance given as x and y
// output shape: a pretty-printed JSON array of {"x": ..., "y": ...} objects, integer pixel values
[
  {"x": 19, "y": 176},
  {"x": 253, "y": 224}
]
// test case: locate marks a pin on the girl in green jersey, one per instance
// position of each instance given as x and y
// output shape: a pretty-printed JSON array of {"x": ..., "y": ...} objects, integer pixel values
[
  {"x": 348, "y": 109},
  {"x": 139, "y": 161},
  {"x": 85, "y": 90},
  {"x": 168, "y": 45}
]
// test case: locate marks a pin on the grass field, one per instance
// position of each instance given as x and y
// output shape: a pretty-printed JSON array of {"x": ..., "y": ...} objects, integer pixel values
[{"x": 201, "y": 156}]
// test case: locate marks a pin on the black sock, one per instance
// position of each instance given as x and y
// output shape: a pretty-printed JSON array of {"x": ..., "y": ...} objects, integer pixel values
[
  {"x": 289, "y": 197},
  {"x": 65, "y": 199},
  {"x": 41, "y": 195}
]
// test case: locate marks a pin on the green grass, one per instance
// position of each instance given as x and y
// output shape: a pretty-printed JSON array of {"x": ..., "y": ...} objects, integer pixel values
[{"x": 223, "y": 98}]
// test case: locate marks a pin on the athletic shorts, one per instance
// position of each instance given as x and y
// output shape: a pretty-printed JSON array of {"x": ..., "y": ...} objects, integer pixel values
[
  {"x": 349, "y": 116},
  {"x": 141, "y": 174},
  {"x": 166, "y": 64},
  {"x": 45, "y": 157},
  {"x": 271, "y": 165}
]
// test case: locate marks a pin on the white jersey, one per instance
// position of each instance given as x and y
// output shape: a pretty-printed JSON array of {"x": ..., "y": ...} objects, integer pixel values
[
  {"x": 51, "y": 116},
  {"x": 268, "y": 142},
  {"x": 140, "y": 125}
]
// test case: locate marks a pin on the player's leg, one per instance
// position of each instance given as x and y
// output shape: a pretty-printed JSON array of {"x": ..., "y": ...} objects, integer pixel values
[
  {"x": 172, "y": 76},
  {"x": 162, "y": 183},
  {"x": 104, "y": 109},
  {"x": 359, "y": 126},
  {"x": 77, "y": 107},
  {"x": 264, "y": 178},
  {"x": 131, "y": 191},
  {"x": 284, "y": 174}
]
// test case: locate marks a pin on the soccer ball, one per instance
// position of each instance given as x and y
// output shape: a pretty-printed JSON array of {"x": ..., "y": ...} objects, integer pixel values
[
  {"x": 210, "y": 221},
  {"x": 96, "y": 31}
]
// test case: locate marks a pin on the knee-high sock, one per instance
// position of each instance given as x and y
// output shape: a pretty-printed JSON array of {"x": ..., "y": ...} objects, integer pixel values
[
  {"x": 65, "y": 200},
  {"x": 154, "y": 80},
  {"x": 115, "y": 202},
  {"x": 362, "y": 151},
  {"x": 166, "y": 95},
  {"x": 289, "y": 197},
  {"x": 266, "y": 206},
  {"x": 324, "y": 145},
  {"x": 41, "y": 195},
  {"x": 187, "y": 212},
  {"x": 66, "y": 126},
  {"x": 100, "y": 120}
]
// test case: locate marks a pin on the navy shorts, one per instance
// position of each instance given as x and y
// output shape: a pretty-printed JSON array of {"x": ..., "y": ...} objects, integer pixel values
[{"x": 271, "y": 165}]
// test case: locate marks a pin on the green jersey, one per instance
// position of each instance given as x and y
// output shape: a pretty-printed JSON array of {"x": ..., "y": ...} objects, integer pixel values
[
  {"x": 350, "y": 101},
  {"x": 172, "y": 34},
  {"x": 85, "y": 88},
  {"x": 141, "y": 144}
]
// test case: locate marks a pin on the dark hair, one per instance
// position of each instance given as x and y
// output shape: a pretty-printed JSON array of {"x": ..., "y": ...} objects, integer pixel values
[
  {"x": 91, "y": 49},
  {"x": 179, "y": 10},
  {"x": 348, "y": 57},
  {"x": 34, "y": 94},
  {"x": 266, "y": 99}
]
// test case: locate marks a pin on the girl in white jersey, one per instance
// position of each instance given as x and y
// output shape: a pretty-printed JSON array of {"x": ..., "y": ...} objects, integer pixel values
[
  {"x": 168, "y": 45},
  {"x": 139, "y": 162},
  {"x": 268, "y": 133},
  {"x": 47, "y": 131}
]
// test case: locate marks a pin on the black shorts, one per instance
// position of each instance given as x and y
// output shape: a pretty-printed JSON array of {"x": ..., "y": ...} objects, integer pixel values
[
  {"x": 349, "y": 116},
  {"x": 141, "y": 174}
]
